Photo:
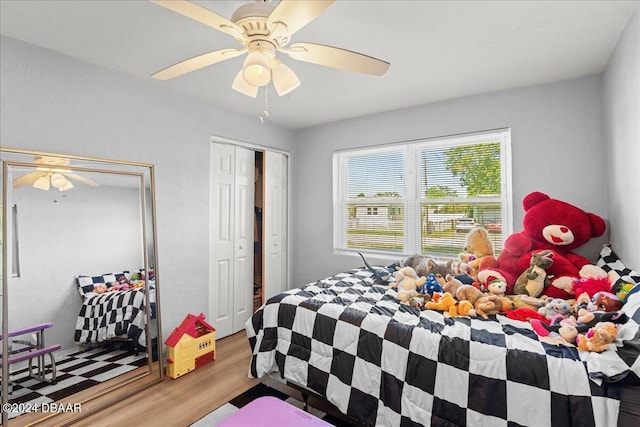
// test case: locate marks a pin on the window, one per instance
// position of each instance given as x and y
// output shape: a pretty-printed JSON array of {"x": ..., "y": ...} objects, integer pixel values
[{"x": 423, "y": 196}]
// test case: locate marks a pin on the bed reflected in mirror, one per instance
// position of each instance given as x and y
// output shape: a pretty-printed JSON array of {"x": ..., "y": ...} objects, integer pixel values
[{"x": 81, "y": 314}]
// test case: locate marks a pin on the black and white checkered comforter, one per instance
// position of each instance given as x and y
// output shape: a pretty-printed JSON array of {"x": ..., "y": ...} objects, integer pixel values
[
  {"x": 386, "y": 364},
  {"x": 110, "y": 315}
]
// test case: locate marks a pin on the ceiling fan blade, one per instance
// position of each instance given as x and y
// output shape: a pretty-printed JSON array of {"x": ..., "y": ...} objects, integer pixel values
[
  {"x": 27, "y": 179},
  {"x": 296, "y": 14},
  {"x": 197, "y": 63},
  {"x": 80, "y": 178},
  {"x": 337, "y": 58},
  {"x": 200, "y": 14}
]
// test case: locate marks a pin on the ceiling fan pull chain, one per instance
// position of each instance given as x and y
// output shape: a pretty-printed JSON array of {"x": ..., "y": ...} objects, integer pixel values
[{"x": 265, "y": 101}]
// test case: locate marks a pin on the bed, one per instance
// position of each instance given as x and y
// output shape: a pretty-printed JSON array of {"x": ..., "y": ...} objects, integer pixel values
[
  {"x": 349, "y": 340},
  {"x": 114, "y": 313}
]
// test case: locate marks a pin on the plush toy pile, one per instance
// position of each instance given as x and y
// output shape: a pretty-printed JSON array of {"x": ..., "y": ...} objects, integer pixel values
[
  {"x": 537, "y": 277},
  {"x": 124, "y": 283}
]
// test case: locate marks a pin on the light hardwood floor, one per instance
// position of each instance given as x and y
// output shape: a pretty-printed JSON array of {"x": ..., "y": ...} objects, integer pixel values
[{"x": 185, "y": 400}]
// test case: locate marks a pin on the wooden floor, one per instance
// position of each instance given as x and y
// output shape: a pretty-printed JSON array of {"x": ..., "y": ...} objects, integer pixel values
[{"x": 185, "y": 400}]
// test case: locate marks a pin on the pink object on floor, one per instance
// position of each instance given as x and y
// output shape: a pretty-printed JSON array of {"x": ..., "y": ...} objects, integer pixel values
[{"x": 270, "y": 411}]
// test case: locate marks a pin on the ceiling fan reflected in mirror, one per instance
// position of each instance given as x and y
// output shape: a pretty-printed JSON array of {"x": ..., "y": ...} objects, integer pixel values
[
  {"x": 264, "y": 29},
  {"x": 51, "y": 174}
]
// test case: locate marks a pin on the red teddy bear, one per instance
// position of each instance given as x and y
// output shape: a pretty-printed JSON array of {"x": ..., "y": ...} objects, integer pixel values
[{"x": 555, "y": 225}]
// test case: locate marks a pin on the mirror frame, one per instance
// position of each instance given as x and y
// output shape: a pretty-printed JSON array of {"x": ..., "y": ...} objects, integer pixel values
[{"x": 97, "y": 397}]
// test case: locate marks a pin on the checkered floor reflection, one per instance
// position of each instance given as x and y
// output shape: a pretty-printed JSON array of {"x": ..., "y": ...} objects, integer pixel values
[{"x": 75, "y": 372}]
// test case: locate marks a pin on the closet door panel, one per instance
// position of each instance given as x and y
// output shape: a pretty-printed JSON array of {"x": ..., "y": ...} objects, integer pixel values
[
  {"x": 223, "y": 273},
  {"x": 222, "y": 232},
  {"x": 275, "y": 220},
  {"x": 243, "y": 249}
]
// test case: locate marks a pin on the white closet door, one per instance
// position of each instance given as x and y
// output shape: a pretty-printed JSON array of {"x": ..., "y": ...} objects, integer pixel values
[
  {"x": 275, "y": 224},
  {"x": 231, "y": 256},
  {"x": 244, "y": 221}
]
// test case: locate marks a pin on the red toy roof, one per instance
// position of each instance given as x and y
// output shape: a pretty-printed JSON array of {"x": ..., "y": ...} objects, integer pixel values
[{"x": 193, "y": 325}]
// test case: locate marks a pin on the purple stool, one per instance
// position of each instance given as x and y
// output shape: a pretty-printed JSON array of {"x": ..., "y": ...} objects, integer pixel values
[
  {"x": 270, "y": 411},
  {"x": 28, "y": 350}
]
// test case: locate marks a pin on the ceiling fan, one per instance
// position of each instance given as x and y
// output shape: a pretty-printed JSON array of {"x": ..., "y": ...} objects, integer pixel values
[
  {"x": 264, "y": 29},
  {"x": 51, "y": 173}
]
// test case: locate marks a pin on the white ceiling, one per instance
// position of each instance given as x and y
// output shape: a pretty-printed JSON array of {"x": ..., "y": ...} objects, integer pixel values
[{"x": 437, "y": 49}]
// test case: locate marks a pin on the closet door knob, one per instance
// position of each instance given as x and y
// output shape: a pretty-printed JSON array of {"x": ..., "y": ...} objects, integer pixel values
[{"x": 240, "y": 247}]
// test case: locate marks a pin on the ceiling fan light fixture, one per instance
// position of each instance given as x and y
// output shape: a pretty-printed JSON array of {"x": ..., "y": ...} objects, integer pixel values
[
  {"x": 284, "y": 79},
  {"x": 240, "y": 85},
  {"x": 59, "y": 181},
  {"x": 42, "y": 183},
  {"x": 256, "y": 70},
  {"x": 67, "y": 186}
]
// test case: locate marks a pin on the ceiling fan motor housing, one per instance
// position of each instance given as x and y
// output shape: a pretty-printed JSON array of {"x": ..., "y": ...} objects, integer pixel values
[{"x": 252, "y": 18}]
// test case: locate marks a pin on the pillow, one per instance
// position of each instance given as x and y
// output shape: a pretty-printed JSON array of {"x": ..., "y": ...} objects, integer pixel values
[
  {"x": 609, "y": 260},
  {"x": 86, "y": 283}
]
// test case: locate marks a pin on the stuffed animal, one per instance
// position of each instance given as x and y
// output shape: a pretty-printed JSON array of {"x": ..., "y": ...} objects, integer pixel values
[
  {"x": 407, "y": 282},
  {"x": 581, "y": 302},
  {"x": 555, "y": 225},
  {"x": 468, "y": 293},
  {"x": 590, "y": 271},
  {"x": 445, "y": 301},
  {"x": 425, "y": 265},
  {"x": 462, "y": 308},
  {"x": 138, "y": 285},
  {"x": 604, "y": 301},
  {"x": 533, "y": 280},
  {"x": 418, "y": 301},
  {"x": 401, "y": 273},
  {"x": 431, "y": 285},
  {"x": 506, "y": 305},
  {"x": 585, "y": 319},
  {"x": 592, "y": 279},
  {"x": 620, "y": 287},
  {"x": 525, "y": 301},
  {"x": 478, "y": 252},
  {"x": 100, "y": 288},
  {"x": 451, "y": 285},
  {"x": 526, "y": 314},
  {"x": 555, "y": 306},
  {"x": 460, "y": 267},
  {"x": 598, "y": 338},
  {"x": 382, "y": 275},
  {"x": 488, "y": 304},
  {"x": 591, "y": 285},
  {"x": 491, "y": 283}
]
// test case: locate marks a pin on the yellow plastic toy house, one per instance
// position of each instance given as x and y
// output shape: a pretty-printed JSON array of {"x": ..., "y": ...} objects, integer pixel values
[{"x": 190, "y": 346}]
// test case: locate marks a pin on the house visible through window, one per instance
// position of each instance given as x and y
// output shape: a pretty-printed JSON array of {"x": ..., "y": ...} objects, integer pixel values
[{"x": 423, "y": 196}]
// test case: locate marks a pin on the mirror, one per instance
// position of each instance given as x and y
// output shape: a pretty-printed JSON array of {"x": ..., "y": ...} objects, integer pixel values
[{"x": 80, "y": 289}]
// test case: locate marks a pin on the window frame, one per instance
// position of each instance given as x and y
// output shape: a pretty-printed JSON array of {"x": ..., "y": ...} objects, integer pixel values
[{"x": 412, "y": 199}]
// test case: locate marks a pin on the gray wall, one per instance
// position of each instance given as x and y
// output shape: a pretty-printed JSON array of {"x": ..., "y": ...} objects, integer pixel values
[
  {"x": 53, "y": 103},
  {"x": 622, "y": 133},
  {"x": 557, "y": 144}
]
